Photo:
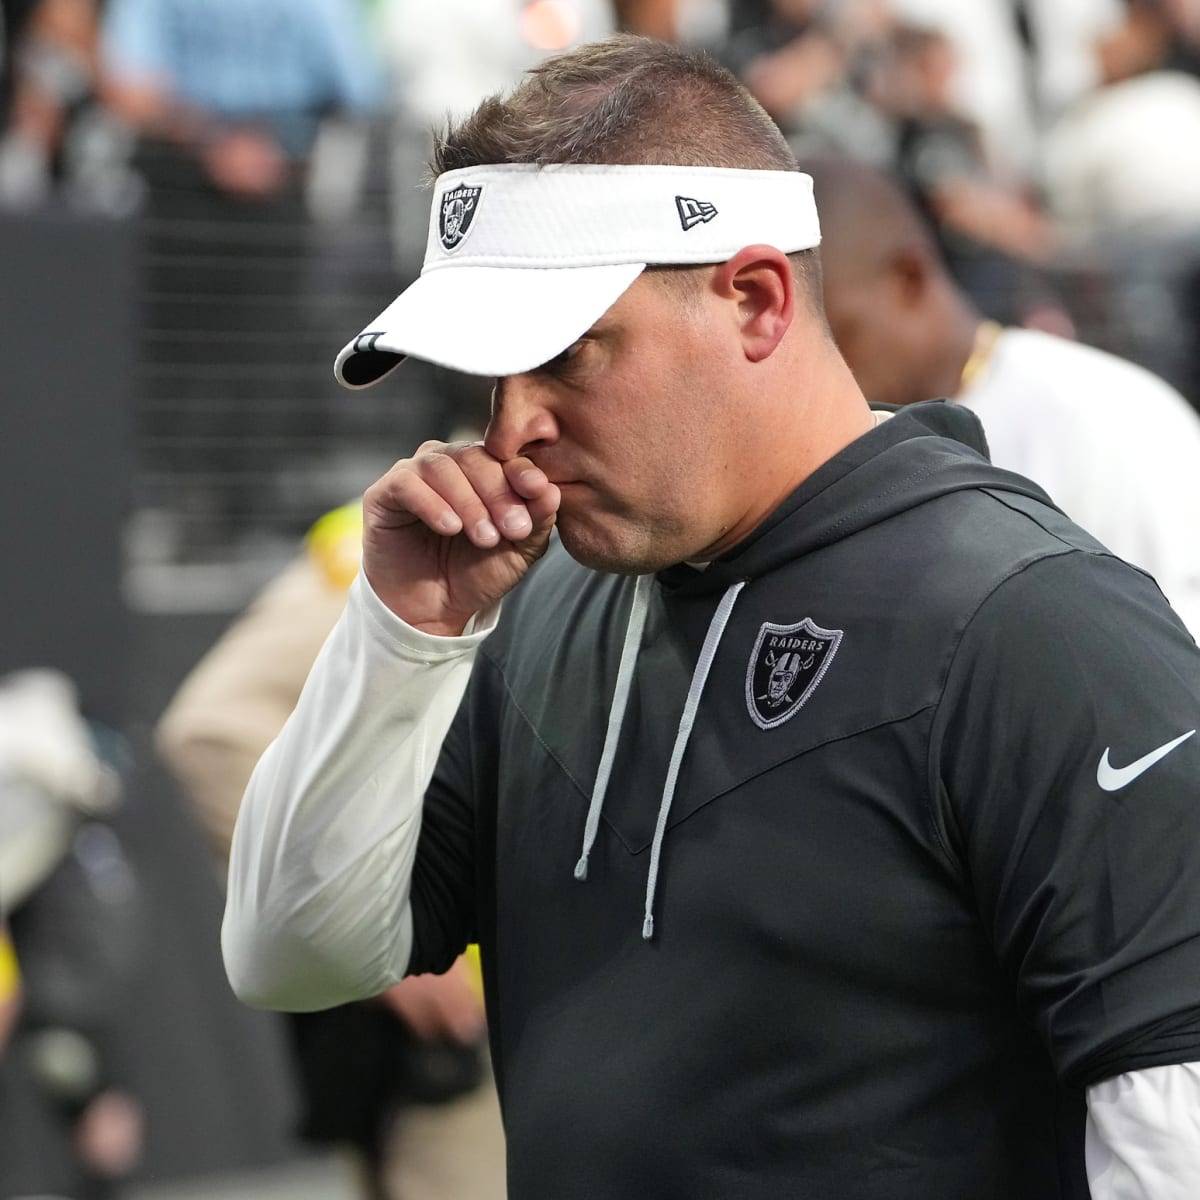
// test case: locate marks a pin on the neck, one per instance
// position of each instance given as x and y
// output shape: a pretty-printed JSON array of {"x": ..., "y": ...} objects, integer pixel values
[
  {"x": 815, "y": 410},
  {"x": 951, "y": 348}
]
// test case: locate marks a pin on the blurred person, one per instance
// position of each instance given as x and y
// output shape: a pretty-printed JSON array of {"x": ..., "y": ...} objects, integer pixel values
[
  {"x": 13, "y": 16},
  {"x": 227, "y": 98},
  {"x": 1115, "y": 447},
  {"x": 400, "y": 1081},
  {"x": 69, "y": 1122},
  {"x": 1184, "y": 16},
  {"x": 785, "y": 52},
  {"x": 807, "y": 62},
  {"x": 992, "y": 229},
  {"x": 1022, "y": 62},
  {"x": 762, "y": 740},
  {"x": 1122, "y": 174},
  {"x": 58, "y": 138}
]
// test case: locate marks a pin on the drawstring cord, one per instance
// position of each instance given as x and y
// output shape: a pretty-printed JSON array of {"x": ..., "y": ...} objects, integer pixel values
[
  {"x": 616, "y": 714},
  {"x": 708, "y": 652},
  {"x": 624, "y": 684}
]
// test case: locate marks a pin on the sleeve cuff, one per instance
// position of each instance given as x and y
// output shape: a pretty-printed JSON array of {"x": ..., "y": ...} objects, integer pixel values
[{"x": 401, "y": 638}]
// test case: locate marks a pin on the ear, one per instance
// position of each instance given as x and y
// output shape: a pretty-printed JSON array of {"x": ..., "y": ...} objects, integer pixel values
[
  {"x": 909, "y": 276},
  {"x": 759, "y": 285}
]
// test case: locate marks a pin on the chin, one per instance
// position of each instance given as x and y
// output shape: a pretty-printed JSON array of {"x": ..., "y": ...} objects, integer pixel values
[{"x": 636, "y": 553}]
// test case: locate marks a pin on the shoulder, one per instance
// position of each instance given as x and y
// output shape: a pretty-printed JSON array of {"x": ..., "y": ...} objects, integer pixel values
[{"x": 1065, "y": 412}]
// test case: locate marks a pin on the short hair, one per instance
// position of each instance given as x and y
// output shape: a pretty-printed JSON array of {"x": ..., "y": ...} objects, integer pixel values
[{"x": 632, "y": 100}]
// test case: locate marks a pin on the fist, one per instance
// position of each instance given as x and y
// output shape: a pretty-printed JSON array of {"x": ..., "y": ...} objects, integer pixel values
[{"x": 450, "y": 531}]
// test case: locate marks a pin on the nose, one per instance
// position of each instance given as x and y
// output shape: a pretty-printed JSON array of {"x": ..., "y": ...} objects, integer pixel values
[{"x": 521, "y": 420}]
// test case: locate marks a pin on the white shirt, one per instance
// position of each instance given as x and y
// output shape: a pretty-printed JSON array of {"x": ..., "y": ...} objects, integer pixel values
[{"x": 1117, "y": 449}]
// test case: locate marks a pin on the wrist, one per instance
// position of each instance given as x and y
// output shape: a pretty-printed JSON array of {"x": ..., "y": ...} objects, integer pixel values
[{"x": 422, "y": 627}]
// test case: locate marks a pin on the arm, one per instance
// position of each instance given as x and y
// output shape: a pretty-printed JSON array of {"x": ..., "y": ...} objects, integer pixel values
[
  {"x": 1086, "y": 873},
  {"x": 318, "y": 911},
  {"x": 318, "y": 899}
]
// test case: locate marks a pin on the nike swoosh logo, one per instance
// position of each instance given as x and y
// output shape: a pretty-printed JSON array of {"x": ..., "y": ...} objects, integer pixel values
[{"x": 1112, "y": 779}]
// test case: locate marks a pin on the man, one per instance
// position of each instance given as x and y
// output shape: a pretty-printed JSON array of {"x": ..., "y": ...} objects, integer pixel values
[
  {"x": 1115, "y": 447},
  {"x": 877, "y": 933}
]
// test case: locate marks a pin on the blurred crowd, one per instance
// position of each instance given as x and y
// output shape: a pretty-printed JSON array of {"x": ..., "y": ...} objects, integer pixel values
[
  {"x": 271, "y": 154},
  {"x": 274, "y": 155}
]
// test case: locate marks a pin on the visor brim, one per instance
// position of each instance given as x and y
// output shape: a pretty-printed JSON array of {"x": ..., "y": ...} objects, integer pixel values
[{"x": 485, "y": 320}]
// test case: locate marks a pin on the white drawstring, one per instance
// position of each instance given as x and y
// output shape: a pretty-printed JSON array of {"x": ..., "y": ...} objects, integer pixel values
[
  {"x": 616, "y": 714},
  {"x": 708, "y": 652}
]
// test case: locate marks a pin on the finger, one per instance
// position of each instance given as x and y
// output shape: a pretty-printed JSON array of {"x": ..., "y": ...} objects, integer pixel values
[
  {"x": 493, "y": 482},
  {"x": 526, "y": 478},
  {"x": 543, "y": 510},
  {"x": 433, "y": 487},
  {"x": 474, "y": 487},
  {"x": 402, "y": 497},
  {"x": 529, "y": 481}
]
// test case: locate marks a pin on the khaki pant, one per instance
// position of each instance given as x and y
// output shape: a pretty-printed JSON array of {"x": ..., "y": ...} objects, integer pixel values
[{"x": 451, "y": 1151}]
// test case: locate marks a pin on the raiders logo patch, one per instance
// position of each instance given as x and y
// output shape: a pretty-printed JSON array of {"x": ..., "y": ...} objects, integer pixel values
[
  {"x": 786, "y": 664},
  {"x": 457, "y": 213}
]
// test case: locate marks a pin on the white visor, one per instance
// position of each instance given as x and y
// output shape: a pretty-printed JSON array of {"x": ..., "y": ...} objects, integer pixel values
[{"x": 522, "y": 260}]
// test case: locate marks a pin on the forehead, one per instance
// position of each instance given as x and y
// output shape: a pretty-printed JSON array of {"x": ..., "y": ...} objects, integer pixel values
[
  {"x": 657, "y": 293},
  {"x": 647, "y": 309}
]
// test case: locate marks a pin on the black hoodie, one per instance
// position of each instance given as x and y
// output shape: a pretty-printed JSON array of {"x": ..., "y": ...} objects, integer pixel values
[{"x": 900, "y": 918}]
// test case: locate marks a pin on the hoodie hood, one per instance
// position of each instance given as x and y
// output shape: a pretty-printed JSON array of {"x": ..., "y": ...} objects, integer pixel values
[{"x": 922, "y": 452}]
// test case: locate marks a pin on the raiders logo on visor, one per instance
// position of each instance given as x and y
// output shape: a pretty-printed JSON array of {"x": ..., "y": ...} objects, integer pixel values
[{"x": 459, "y": 206}]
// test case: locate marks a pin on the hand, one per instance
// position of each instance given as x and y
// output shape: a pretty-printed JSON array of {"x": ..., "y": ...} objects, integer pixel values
[
  {"x": 439, "y": 1007},
  {"x": 451, "y": 530},
  {"x": 110, "y": 1133},
  {"x": 245, "y": 164}
]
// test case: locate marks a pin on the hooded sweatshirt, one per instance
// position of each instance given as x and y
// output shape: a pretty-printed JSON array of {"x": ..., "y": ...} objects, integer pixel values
[{"x": 809, "y": 874}]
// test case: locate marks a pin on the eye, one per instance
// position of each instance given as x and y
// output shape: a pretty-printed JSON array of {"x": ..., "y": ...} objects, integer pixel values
[{"x": 568, "y": 358}]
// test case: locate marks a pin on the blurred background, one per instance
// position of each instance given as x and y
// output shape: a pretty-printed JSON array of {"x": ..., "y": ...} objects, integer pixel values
[{"x": 201, "y": 201}]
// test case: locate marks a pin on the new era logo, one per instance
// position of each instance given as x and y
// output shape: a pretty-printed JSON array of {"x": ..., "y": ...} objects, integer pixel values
[{"x": 693, "y": 212}]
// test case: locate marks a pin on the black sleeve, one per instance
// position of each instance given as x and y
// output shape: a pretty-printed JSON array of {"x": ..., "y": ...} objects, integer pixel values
[
  {"x": 1083, "y": 854},
  {"x": 448, "y": 865}
]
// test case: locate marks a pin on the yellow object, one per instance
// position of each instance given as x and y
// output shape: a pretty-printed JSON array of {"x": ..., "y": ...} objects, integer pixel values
[
  {"x": 986, "y": 336},
  {"x": 474, "y": 968},
  {"x": 335, "y": 544},
  {"x": 10, "y": 976}
]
